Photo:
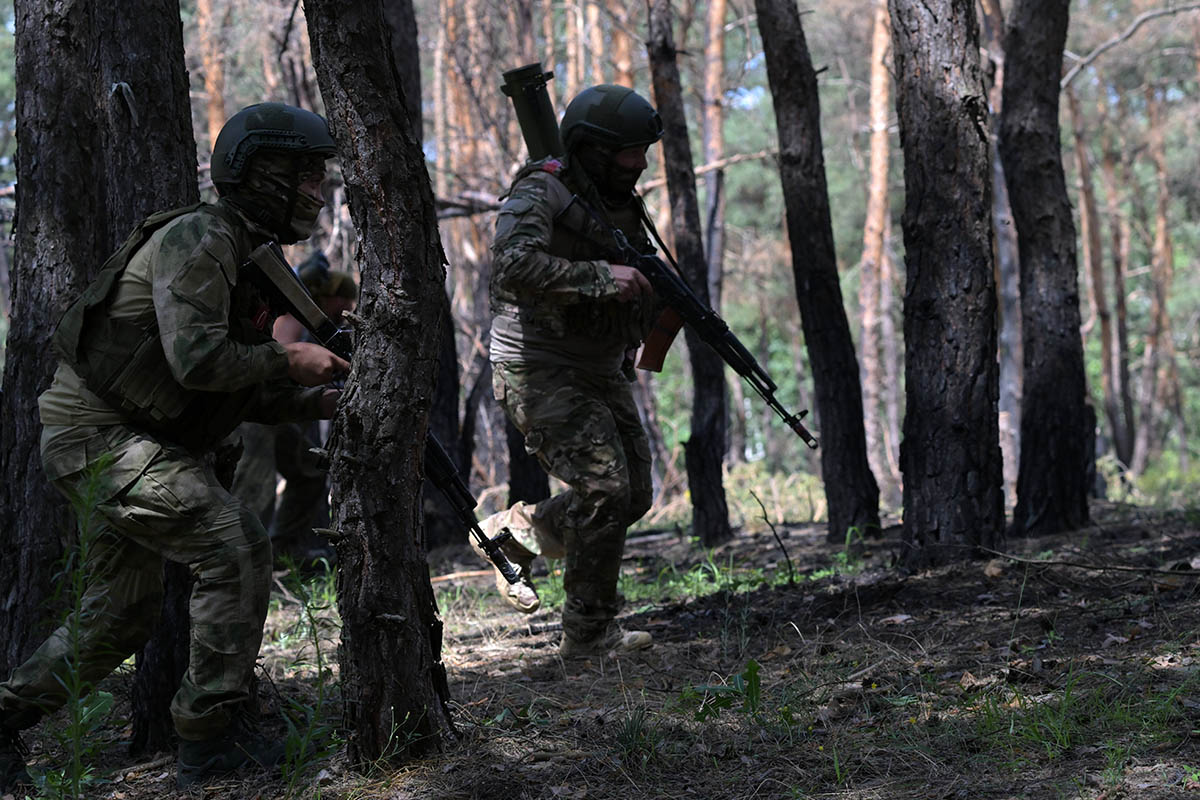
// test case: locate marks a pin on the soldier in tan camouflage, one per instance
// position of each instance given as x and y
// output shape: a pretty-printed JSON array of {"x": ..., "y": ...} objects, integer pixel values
[
  {"x": 163, "y": 355},
  {"x": 566, "y": 322}
]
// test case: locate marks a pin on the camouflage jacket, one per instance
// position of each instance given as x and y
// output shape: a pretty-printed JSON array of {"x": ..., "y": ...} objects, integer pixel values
[
  {"x": 170, "y": 338},
  {"x": 552, "y": 291}
]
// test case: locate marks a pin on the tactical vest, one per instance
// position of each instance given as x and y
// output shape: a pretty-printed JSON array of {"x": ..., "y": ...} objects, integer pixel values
[
  {"x": 582, "y": 233},
  {"x": 122, "y": 360}
]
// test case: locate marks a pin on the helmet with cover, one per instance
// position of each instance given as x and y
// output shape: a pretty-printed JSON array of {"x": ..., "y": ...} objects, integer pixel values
[
  {"x": 262, "y": 156},
  {"x": 602, "y": 122}
]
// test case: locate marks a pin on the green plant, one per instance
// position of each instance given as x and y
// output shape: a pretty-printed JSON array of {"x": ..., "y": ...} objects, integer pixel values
[
  {"x": 709, "y": 700},
  {"x": 638, "y": 740},
  {"x": 310, "y": 735},
  {"x": 85, "y": 709}
]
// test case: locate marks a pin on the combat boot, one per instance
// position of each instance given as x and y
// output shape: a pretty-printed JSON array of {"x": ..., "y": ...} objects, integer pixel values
[
  {"x": 239, "y": 748},
  {"x": 12, "y": 761},
  {"x": 614, "y": 641},
  {"x": 520, "y": 595}
]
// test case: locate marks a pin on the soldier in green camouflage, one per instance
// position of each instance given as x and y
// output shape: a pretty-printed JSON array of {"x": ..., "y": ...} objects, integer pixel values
[
  {"x": 163, "y": 355},
  {"x": 567, "y": 320}
]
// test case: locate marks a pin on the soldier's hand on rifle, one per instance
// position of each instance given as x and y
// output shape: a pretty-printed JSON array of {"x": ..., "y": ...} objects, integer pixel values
[
  {"x": 327, "y": 405},
  {"x": 630, "y": 282},
  {"x": 310, "y": 364}
]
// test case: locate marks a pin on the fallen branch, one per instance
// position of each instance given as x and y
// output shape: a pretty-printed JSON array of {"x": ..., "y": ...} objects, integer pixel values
[{"x": 1095, "y": 567}]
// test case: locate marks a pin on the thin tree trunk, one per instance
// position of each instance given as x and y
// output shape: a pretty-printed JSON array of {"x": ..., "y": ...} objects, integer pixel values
[
  {"x": 1093, "y": 251},
  {"x": 1159, "y": 349},
  {"x": 622, "y": 43},
  {"x": 595, "y": 33},
  {"x": 713, "y": 146},
  {"x": 871, "y": 266},
  {"x": 384, "y": 594},
  {"x": 704, "y": 449},
  {"x": 1008, "y": 266},
  {"x": 1052, "y": 484},
  {"x": 212, "y": 67},
  {"x": 850, "y": 487},
  {"x": 953, "y": 498},
  {"x": 1121, "y": 417}
]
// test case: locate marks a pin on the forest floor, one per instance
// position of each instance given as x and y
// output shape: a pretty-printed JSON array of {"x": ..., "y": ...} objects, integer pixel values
[{"x": 1070, "y": 669}]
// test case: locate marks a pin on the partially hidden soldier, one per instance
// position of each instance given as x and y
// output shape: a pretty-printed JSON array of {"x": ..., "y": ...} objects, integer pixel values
[
  {"x": 566, "y": 323},
  {"x": 166, "y": 352},
  {"x": 287, "y": 449}
]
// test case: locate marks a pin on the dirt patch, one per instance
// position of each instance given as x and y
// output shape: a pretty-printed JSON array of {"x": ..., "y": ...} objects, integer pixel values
[{"x": 1070, "y": 671}]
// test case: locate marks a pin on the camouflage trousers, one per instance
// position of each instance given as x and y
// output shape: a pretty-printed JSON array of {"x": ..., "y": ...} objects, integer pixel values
[
  {"x": 283, "y": 449},
  {"x": 585, "y": 431},
  {"x": 145, "y": 502}
]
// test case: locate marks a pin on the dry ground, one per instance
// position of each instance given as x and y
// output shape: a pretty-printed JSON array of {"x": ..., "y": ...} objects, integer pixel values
[{"x": 1074, "y": 673}]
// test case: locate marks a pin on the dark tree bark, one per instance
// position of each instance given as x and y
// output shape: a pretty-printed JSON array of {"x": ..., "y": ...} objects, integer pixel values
[
  {"x": 1052, "y": 484},
  {"x": 150, "y": 165},
  {"x": 950, "y": 456},
  {"x": 58, "y": 231},
  {"x": 442, "y": 526},
  {"x": 102, "y": 95},
  {"x": 384, "y": 595},
  {"x": 849, "y": 485},
  {"x": 705, "y": 448}
]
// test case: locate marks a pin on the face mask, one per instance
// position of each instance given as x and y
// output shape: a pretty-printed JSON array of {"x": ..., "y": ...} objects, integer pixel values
[{"x": 269, "y": 194}]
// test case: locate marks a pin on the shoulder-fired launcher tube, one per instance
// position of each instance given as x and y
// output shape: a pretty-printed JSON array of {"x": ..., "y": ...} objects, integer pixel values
[{"x": 526, "y": 87}]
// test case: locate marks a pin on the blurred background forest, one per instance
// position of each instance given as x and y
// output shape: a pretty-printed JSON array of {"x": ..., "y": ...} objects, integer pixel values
[{"x": 1130, "y": 106}]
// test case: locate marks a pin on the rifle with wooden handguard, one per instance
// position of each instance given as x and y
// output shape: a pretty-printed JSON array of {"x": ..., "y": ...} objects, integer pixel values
[
  {"x": 684, "y": 307},
  {"x": 269, "y": 271}
]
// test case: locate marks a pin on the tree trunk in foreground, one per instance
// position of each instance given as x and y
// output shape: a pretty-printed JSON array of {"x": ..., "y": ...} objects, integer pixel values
[
  {"x": 953, "y": 498},
  {"x": 150, "y": 165},
  {"x": 393, "y": 705},
  {"x": 1056, "y": 421},
  {"x": 705, "y": 447},
  {"x": 849, "y": 485}
]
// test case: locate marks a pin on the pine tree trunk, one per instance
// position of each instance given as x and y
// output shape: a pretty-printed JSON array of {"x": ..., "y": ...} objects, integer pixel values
[
  {"x": 212, "y": 68},
  {"x": 713, "y": 145},
  {"x": 1056, "y": 426},
  {"x": 704, "y": 449},
  {"x": 1008, "y": 272},
  {"x": 150, "y": 165},
  {"x": 871, "y": 267},
  {"x": 1159, "y": 351},
  {"x": 850, "y": 487},
  {"x": 384, "y": 595},
  {"x": 950, "y": 456},
  {"x": 58, "y": 231},
  {"x": 1121, "y": 417}
]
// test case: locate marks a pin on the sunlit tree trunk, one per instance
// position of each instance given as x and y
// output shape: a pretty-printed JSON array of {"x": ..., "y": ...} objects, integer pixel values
[
  {"x": 950, "y": 457},
  {"x": 1057, "y": 423},
  {"x": 596, "y": 46},
  {"x": 871, "y": 267},
  {"x": 704, "y": 450},
  {"x": 849, "y": 486},
  {"x": 1008, "y": 267},
  {"x": 1121, "y": 414},
  {"x": 392, "y": 706},
  {"x": 1159, "y": 353},
  {"x": 1093, "y": 257},
  {"x": 621, "y": 42},
  {"x": 212, "y": 66}
]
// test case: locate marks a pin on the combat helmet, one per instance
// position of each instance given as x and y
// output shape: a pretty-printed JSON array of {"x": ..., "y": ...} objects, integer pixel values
[
  {"x": 274, "y": 127},
  {"x": 611, "y": 116}
]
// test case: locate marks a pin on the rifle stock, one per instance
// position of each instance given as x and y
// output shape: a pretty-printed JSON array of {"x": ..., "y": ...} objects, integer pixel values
[{"x": 269, "y": 270}]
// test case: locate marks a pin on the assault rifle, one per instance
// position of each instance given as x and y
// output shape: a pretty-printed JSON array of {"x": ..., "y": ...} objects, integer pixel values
[
  {"x": 269, "y": 271},
  {"x": 683, "y": 306},
  {"x": 526, "y": 87}
]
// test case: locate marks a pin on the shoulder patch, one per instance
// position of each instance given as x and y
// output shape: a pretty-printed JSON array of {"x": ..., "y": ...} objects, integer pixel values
[{"x": 552, "y": 165}]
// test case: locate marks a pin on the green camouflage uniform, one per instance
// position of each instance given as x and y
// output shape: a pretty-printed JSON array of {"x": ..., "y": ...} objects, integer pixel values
[
  {"x": 163, "y": 356},
  {"x": 559, "y": 347}
]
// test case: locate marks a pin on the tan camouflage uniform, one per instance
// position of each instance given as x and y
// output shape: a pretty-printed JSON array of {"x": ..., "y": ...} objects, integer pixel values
[
  {"x": 157, "y": 497},
  {"x": 559, "y": 346}
]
